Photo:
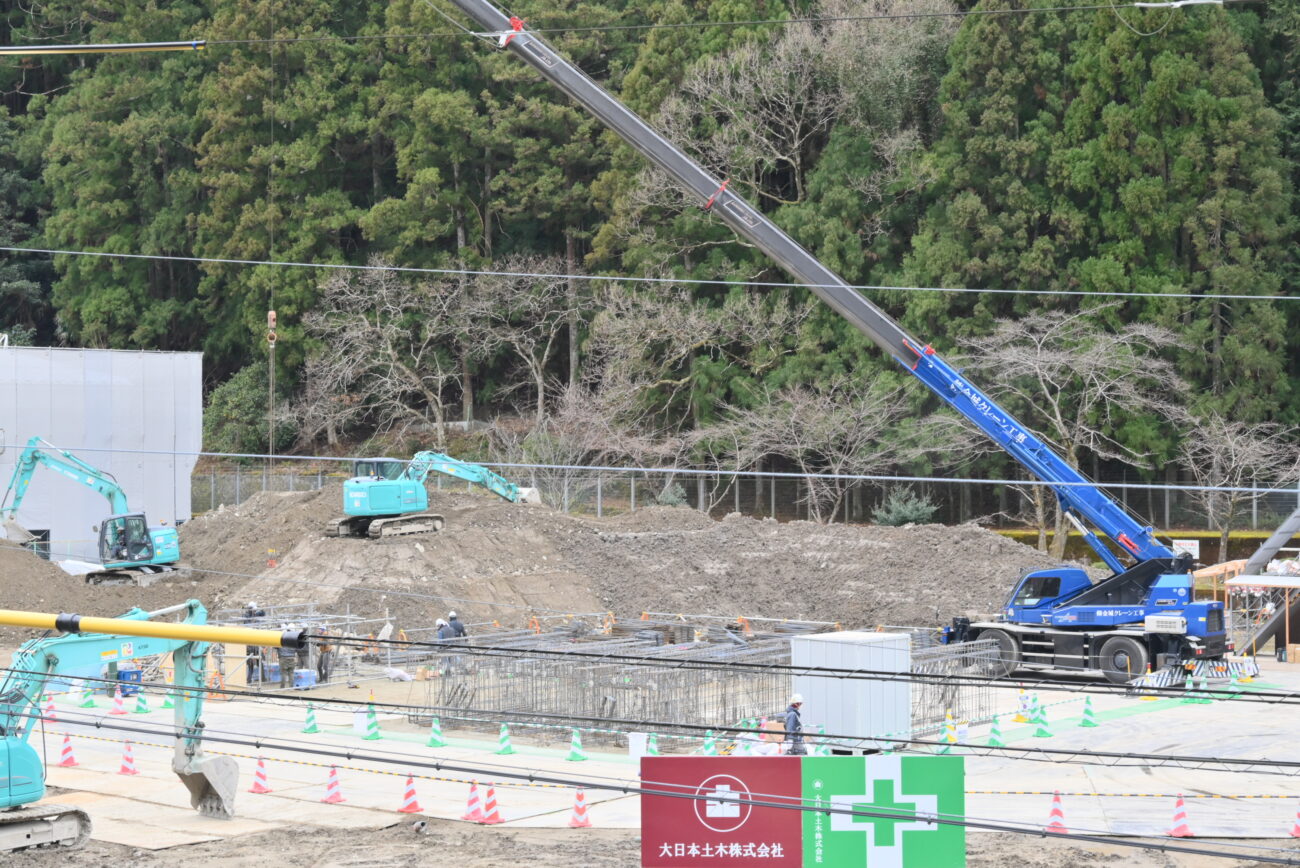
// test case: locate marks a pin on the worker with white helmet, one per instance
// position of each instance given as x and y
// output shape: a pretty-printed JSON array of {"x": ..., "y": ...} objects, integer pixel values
[
  {"x": 794, "y": 726},
  {"x": 444, "y": 629},
  {"x": 457, "y": 628}
]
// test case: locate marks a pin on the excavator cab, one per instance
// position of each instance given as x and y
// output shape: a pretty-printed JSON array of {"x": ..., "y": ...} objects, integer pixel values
[
  {"x": 125, "y": 539},
  {"x": 379, "y": 468}
]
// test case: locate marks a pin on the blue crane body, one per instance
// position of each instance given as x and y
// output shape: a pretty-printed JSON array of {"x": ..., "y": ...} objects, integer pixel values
[
  {"x": 128, "y": 546},
  {"x": 211, "y": 781},
  {"x": 1144, "y": 613},
  {"x": 387, "y": 497}
]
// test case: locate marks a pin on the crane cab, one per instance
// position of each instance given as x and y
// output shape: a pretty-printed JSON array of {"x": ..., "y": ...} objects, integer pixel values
[
  {"x": 127, "y": 541},
  {"x": 378, "y": 468}
]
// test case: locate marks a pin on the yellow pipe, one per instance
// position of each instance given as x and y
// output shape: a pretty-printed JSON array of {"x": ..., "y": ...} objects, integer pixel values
[
  {"x": 155, "y": 629},
  {"x": 110, "y": 48}
]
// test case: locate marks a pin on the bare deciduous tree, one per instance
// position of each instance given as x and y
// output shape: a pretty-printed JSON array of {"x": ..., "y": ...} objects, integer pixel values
[
  {"x": 385, "y": 353},
  {"x": 1076, "y": 382},
  {"x": 1228, "y": 454},
  {"x": 527, "y": 312}
]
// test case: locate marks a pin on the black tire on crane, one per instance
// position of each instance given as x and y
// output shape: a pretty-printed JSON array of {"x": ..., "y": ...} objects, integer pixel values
[
  {"x": 1008, "y": 652},
  {"x": 1122, "y": 659}
]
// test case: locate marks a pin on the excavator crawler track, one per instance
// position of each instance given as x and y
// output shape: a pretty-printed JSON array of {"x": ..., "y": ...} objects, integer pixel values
[
  {"x": 43, "y": 826},
  {"x": 382, "y": 528}
]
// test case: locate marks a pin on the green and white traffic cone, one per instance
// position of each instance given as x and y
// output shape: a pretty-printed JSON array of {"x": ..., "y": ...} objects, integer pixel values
[
  {"x": 88, "y": 698},
  {"x": 1203, "y": 694},
  {"x": 1189, "y": 689},
  {"x": 710, "y": 744},
  {"x": 141, "y": 704},
  {"x": 576, "y": 754},
  {"x": 652, "y": 746},
  {"x": 1042, "y": 731},
  {"x": 823, "y": 749},
  {"x": 1234, "y": 684},
  {"x": 1088, "y": 719},
  {"x": 435, "y": 735},
  {"x": 310, "y": 726},
  {"x": 372, "y": 724},
  {"x": 995, "y": 734},
  {"x": 167, "y": 699},
  {"x": 504, "y": 747}
]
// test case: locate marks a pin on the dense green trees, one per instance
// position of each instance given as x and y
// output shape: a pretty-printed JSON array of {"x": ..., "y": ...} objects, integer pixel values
[{"x": 1066, "y": 153}]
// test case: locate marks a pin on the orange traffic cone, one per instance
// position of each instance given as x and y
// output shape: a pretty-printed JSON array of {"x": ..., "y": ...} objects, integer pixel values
[
  {"x": 333, "y": 793},
  {"x": 1295, "y": 827},
  {"x": 1180, "y": 829},
  {"x": 580, "y": 820},
  {"x": 259, "y": 778},
  {"x": 474, "y": 809},
  {"x": 118, "y": 708},
  {"x": 128, "y": 760},
  {"x": 67, "y": 759},
  {"x": 49, "y": 715},
  {"x": 1056, "y": 819},
  {"x": 409, "y": 804},
  {"x": 491, "y": 816}
]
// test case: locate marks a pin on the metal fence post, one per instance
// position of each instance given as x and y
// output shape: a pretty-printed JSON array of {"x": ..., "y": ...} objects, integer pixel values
[
  {"x": 320, "y": 478},
  {"x": 634, "y": 492},
  {"x": 291, "y": 482},
  {"x": 699, "y": 493},
  {"x": 566, "y": 494},
  {"x": 772, "y": 488},
  {"x": 600, "y": 511},
  {"x": 212, "y": 490},
  {"x": 239, "y": 478}
]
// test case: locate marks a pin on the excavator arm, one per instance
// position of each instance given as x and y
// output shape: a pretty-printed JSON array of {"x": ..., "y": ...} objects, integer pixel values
[
  {"x": 425, "y": 463},
  {"x": 39, "y": 452}
]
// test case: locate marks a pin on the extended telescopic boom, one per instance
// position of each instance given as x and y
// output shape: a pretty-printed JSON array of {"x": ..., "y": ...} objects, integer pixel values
[{"x": 1079, "y": 497}]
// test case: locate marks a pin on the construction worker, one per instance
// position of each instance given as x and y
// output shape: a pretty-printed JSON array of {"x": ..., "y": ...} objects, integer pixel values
[
  {"x": 444, "y": 630},
  {"x": 457, "y": 628},
  {"x": 794, "y": 726}
]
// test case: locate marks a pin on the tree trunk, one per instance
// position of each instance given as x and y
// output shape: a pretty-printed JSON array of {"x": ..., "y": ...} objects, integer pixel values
[
  {"x": 575, "y": 321},
  {"x": 458, "y": 211},
  {"x": 466, "y": 387},
  {"x": 487, "y": 202},
  {"x": 1040, "y": 517}
]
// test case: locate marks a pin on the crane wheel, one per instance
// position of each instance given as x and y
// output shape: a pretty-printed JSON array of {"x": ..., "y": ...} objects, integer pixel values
[
  {"x": 1008, "y": 653},
  {"x": 1122, "y": 659}
]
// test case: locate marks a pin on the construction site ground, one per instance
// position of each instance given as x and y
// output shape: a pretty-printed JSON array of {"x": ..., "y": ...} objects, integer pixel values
[{"x": 497, "y": 561}]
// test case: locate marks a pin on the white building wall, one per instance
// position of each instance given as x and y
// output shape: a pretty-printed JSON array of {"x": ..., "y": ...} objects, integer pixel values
[
  {"x": 121, "y": 411},
  {"x": 854, "y": 706}
]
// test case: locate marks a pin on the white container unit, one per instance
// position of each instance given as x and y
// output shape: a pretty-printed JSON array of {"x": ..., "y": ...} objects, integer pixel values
[{"x": 861, "y": 706}]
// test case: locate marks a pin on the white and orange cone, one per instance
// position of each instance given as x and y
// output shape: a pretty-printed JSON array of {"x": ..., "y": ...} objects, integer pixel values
[
  {"x": 491, "y": 816},
  {"x": 409, "y": 804},
  {"x": 474, "y": 808},
  {"x": 1295, "y": 827},
  {"x": 1180, "y": 829},
  {"x": 333, "y": 792},
  {"x": 118, "y": 707},
  {"x": 66, "y": 759},
  {"x": 259, "y": 778},
  {"x": 580, "y": 820},
  {"x": 128, "y": 760},
  {"x": 49, "y": 715},
  {"x": 1056, "y": 819}
]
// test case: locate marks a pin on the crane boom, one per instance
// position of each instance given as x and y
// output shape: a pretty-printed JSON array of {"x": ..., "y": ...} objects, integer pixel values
[{"x": 1079, "y": 496}]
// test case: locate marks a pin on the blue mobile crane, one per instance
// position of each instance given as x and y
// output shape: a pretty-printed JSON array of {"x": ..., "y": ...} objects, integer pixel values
[
  {"x": 386, "y": 496},
  {"x": 1144, "y": 613},
  {"x": 130, "y": 550},
  {"x": 87, "y": 644}
]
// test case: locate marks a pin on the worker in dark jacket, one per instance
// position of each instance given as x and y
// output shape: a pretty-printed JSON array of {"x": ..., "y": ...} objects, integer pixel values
[
  {"x": 457, "y": 628},
  {"x": 794, "y": 727}
]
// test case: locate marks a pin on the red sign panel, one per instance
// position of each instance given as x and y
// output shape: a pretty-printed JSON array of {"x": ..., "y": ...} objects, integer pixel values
[{"x": 698, "y": 812}]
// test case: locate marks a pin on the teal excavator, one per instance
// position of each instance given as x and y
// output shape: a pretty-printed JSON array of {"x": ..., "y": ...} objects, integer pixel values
[
  {"x": 130, "y": 550},
  {"x": 386, "y": 496},
  {"x": 87, "y": 644}
]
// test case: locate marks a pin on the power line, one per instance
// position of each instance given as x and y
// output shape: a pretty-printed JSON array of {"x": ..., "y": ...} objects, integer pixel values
[
  {"x": 665, "y": 789},
  {"x": 671, "y": 281}
]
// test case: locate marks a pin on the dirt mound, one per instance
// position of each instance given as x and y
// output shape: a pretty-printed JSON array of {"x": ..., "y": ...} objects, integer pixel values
[
  {"x": 30, "y": 583},
  {"x": 496, "y": 560}
]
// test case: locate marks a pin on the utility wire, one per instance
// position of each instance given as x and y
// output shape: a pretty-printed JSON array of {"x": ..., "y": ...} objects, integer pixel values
[
  {"x": 666, "y": 789},
  {"x": 1109, "y": 759},
  {"x": 605, "y": 278}
]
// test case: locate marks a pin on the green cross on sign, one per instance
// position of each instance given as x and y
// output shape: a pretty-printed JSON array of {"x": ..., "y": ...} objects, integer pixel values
[{"x": 883, "y": 799}]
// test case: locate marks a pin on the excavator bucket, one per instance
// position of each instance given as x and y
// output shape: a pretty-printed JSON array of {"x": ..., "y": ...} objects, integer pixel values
[
  {"x": 530, "y": 495},
  {"x": 15, "y": 532},
  {"x": 212, "y": 782}
]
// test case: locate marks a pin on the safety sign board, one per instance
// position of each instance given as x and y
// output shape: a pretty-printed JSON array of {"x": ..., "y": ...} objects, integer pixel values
[{"x": 878, "y": 811}]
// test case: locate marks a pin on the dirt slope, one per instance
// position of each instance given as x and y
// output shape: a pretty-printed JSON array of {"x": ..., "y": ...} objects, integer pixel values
[{"x": 499, "y": 560}]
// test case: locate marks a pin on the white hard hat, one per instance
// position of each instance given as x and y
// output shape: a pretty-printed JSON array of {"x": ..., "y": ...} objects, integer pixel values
[
  {"x": 440, "y": 623},
  {"x": 797, "y": 699},
  {"x": 451, "y": 614},
  {"x": 252, "y": 605}
]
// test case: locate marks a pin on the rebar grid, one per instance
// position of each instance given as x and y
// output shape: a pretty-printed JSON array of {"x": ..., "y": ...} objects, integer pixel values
[{"x": 931, "y": 701}]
